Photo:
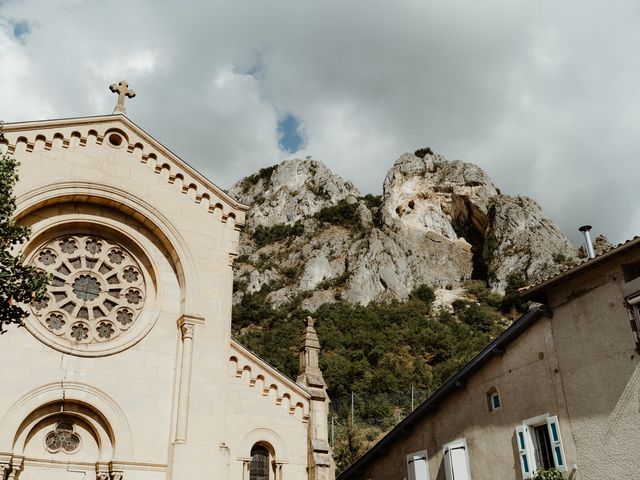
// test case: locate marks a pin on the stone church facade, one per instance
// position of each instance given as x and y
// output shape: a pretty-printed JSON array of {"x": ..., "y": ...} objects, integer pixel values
[{"x": 127, "y": 370}]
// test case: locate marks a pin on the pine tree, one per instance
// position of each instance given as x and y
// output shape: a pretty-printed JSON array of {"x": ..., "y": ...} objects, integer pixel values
[{"x": 19, "y": 283}]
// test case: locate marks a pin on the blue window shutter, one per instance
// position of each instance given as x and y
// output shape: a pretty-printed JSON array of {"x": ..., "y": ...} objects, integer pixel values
[
  {"x": 556, "y": 443},
  {"x": 521, "y": 441}
]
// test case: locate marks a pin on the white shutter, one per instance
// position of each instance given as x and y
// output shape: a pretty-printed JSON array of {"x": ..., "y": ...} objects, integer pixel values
[
  {"x": 448, "y": 468},
  {"x": 556, "y": 443},
  {"x": 418, "y": 466},
  {"x": 525, "y": 461},
  {"x": 456, "y": 462}
]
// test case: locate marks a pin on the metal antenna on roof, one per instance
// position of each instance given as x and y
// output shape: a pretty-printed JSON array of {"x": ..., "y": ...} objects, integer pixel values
[{"x": 587, "y": 239}]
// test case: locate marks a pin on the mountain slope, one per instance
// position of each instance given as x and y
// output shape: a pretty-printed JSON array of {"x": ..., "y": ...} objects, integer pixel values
[{"x": 438, "y": 223}]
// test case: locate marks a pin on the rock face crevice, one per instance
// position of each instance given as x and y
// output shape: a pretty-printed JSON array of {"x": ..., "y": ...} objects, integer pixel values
[{"x": 438, "y": 223}]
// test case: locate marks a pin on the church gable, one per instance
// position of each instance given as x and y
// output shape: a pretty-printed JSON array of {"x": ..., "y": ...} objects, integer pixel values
[
  {"x": 119, "y": 133},
  {"x": 131, "y": 345}
]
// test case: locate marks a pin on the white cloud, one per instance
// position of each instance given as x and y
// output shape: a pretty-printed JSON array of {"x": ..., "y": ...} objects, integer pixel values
[{"x": 543, "y": 95}]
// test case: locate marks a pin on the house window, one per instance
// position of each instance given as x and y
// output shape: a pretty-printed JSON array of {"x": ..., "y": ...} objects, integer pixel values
[
  {"x": 539, "y": 445},
  {"x": 456, "y": 460},
  {"x": 418, "y": 466},
  {"x": 493, "y": 399},
  {"x": 259, "y": 469},
  {"x": 634, "y": 305},
  {"x": 631, "y": 272}
]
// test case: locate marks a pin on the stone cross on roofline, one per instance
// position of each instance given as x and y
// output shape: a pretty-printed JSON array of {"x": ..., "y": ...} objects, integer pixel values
[{"x": 123, "y": 90}]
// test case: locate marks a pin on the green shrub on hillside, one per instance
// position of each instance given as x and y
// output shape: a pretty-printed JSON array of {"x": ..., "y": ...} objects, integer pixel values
[
  {"x": 478, "y": 317},
  {"x": 263, "y": 174},
  {"x": 423, "y": 152},
  {"x": 343, "y": 213},
  {"x": 424, "y": 293},
  {"x": 374, "y": 204},
  {"x": 265, "y": 235},
  {"x": 374, "y": 351},
  {"x": 382, "y": 353},
  {"x": 480, "y": 290},
  {"x": 512, "y": 302}
]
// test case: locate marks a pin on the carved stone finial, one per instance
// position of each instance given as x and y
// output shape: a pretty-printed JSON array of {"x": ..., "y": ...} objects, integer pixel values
[
  {"x": 123, "y": 90},
  {"x": 310, "y": 373}
]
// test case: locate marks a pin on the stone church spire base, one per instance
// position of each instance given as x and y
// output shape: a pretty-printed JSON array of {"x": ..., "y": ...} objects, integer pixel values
[{"x": 321, "y": 464}]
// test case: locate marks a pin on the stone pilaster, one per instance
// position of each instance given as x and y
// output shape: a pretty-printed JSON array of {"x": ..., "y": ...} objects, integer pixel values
[
  {"x": 321, "y": 464},
  {"x": 187, "y": 325}
]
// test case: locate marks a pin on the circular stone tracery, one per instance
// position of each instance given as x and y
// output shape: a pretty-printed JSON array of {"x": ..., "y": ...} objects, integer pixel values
[
  {"x": 62, "y": 438},
  {"x": 97, "y": 289}
]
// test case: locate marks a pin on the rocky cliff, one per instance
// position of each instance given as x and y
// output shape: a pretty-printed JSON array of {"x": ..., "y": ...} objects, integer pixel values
[{"x": 311, "y": 236}]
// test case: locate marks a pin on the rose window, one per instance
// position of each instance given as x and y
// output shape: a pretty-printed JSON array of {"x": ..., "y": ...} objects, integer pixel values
[{"x": 97, "y": 289}]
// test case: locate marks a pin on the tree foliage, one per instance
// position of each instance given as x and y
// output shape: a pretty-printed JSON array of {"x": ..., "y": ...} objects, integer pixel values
[
  {"x": 512, "y": 302},
  {"x": 374, "y": 351},
  {"x": 349, "y": 446},
  {"x": 19, "y": 283}
]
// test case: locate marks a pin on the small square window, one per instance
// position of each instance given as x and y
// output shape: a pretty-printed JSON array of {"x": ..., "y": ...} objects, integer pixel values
[{"x": 493, "y": 399}]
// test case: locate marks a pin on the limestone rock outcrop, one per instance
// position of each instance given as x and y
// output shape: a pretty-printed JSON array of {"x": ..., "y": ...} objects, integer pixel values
[
  {"x": 520, "y": 238},
  {"x": 291, "y": 192},
  {"x": 312, "y": 237},
  {"x": 432, "y": 194}
]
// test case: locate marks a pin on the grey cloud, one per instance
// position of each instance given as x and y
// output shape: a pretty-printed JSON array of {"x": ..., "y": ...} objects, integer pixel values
[{"x": 544, "y": 95}]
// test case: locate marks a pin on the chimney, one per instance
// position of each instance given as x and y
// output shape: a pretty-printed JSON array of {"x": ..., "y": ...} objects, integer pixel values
[{"x": 587, "y": 239}]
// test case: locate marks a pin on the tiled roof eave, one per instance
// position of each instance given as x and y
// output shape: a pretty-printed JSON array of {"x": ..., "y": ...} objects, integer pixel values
[{"x": 583, "y": 265}]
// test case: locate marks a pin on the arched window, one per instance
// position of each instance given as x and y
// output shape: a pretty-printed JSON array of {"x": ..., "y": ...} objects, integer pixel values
[
  {"x": 259, "y": 469},
  {"x": 494, "y": 402}
]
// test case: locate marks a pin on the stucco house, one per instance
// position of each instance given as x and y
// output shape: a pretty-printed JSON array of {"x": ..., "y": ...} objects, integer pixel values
[
  {"x": 127, "y": 370},
  {"x": 560, "y": 388}
]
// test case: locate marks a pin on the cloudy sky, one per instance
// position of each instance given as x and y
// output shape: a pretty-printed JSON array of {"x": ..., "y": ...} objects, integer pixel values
[{"x": 544, "y": 95}]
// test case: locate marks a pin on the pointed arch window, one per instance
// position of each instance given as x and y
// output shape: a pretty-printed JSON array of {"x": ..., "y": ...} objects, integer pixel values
[{"x": 259, "y": 469}]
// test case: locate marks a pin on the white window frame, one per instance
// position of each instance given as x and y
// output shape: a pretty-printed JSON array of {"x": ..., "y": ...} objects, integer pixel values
[
  {"x": 529, "y": 449},
  {"x": 491, "y": 397},
  {"x": 460, "y": 442},
  {"x": 411, "y": 465}
]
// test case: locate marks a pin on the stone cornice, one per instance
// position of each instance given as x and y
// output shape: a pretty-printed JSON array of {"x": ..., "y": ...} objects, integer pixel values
[{"x": 150, "y": 152}]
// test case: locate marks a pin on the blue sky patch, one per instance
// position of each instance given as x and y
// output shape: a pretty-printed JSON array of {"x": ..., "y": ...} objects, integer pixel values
[
  {"x": 289, "y": 133},
  {"x": 20, "y": 29}
]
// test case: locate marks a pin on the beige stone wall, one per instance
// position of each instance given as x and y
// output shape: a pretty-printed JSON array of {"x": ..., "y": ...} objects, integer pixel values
[
  {"x": 166, "y": 401},
  {"x": 600, "y": 371},
  {"x": 528, "y": 385},
  {"x": 265, "y": 407}
]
